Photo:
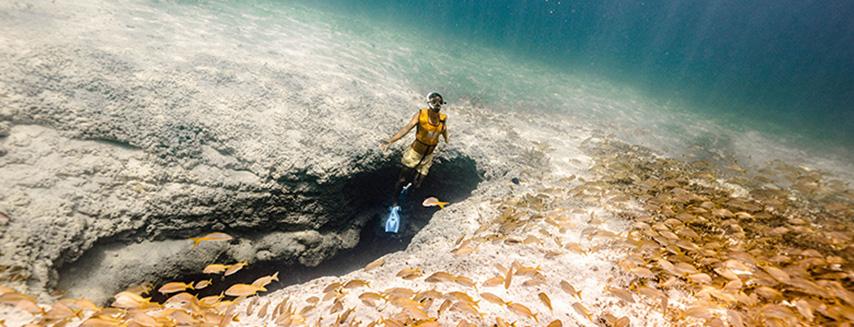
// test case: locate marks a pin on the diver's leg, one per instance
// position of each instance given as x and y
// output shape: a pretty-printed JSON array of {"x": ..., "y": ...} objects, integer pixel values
[
  {"x": 421, "y": 170},
  {"x": 405, "y": 174},
  {"x": 418, "y": 179}
]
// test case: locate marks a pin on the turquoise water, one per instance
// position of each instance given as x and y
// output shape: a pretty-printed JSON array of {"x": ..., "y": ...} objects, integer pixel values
[
  {"x": 780, "y": 67},
  {"x": 680, "y": 72}
]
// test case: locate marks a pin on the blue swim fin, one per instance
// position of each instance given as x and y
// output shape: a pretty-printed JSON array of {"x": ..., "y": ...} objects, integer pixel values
[{"x": 392, "y": 223}]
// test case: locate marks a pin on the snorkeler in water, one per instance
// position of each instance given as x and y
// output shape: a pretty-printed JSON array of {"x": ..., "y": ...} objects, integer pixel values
[{"x": 419, "y": 156}]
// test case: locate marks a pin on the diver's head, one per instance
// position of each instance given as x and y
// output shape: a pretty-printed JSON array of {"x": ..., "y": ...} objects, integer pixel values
[{"x": 435, "y": 101}]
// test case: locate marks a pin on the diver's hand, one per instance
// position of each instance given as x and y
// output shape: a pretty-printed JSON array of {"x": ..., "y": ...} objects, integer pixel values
[{"x": 384, "y": 145}]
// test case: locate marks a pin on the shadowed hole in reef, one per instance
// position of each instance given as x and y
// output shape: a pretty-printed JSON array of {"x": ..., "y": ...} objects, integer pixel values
[{"x": 450, "y": 180}]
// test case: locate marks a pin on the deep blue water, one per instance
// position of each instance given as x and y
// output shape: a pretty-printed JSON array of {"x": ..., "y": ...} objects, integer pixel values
[{"x": 783, "y": 66}]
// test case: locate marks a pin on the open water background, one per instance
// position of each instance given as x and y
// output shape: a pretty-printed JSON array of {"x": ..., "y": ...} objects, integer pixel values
[
  {"x": 782, "y": 67},
  {"x": 740, "y": 76}
]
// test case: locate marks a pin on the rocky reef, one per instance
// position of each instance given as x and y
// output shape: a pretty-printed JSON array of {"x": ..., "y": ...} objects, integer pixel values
[{"x": 101, "y": 155}]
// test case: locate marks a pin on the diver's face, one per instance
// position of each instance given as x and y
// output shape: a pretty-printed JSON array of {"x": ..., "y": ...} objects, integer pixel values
[{"x": 436, "y": 103}]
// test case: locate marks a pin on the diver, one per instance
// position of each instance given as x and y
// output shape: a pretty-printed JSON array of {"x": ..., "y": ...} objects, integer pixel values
[{"x": 419, "y": 156}]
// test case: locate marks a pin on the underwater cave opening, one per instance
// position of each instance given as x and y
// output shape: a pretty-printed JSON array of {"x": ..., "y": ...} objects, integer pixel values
[{"x": 451, "y": 180}]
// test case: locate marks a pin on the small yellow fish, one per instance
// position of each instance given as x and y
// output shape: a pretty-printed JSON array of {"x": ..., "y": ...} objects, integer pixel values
[
  {"x": 459, "y": 297},
  {"x": 501, "y": 269},
  {"x": 264, "y": 281},
  {"x": 778, "y": 274},
  {"x": 439, "y": 277},
  {"x": 621, "y": 293},
  {"x": 465, "y": 281},
  {"x": 402, "y": 302},
  {"x": 532, "y": 239},
  {"x": 141, "y": 289},
  {"x": 582, "y": 310},
  {"x": 546, "y": 300},
  {"x": 202, "y": 284},
  {"x": 642, "y": 272},
  {"x": 415, "y": 313},
  {"x": 181, "y": 317},
  {"x": 129, "y": 300},
  {"x": 210, "y": 237},
  {"x": 356, "y": 283},
  {"x": 534, "y": 282},
  {"x": 700, "y": 278},
  {"x": 410, "y": 273},
  {"x": 29, "y": 305},
  {"x": 375, "y": 264},
  {"x": 139, "y": 318},
  {"x": 492, "y": 298},
  {"x": 575, "y": 247},
  {"x": 83, "y": 304},
  {"x": 251, "y": 305},
  {"x": 508, "y": 278},
  {"x": 336, "y": 294},
  {"x": 369, "y": 298},
  {"x": 186, "y": 301},
  {"x": 428, "y": 294},
  {"x": 210, "y": 300},
  {"x": 521, "y": 310},
  {"x": 332, "y": 287},
  {"x": 526, "y": 271},
  {"x": 263, "y": 311},
  {"x": 463, "y": 250},
  {"x": 432, "y": 202},
  {"x": 174, "y": 287},
  {"x": 492, "y": 282},
  {"x": 651, "y": 292},
  {"x": 465, "y": 307},
  {"x": 567, "y": 287},
  {"x": 243, "y": 290},
  {"x": 235, "y": 268},
  {"x": 399, "y": 291},
  {"x": 215, "y": 268}
]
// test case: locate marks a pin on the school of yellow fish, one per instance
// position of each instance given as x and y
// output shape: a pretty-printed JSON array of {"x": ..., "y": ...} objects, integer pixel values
[
  {"x": 779, "y": 253},
  {"x": 776, "y": 252}
]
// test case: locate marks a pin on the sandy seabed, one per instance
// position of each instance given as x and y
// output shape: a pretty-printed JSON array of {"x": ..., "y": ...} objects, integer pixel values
[{"x": 597, "y": 233}]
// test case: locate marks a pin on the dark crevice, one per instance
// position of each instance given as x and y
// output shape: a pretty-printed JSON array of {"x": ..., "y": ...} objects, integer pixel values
[
  {"x": 449, "y": 180},
  {"x": 359, "y": 201}
]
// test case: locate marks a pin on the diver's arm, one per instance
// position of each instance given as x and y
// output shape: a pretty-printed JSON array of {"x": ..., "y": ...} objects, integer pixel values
[
  {"x": 401, "y": 133},
  {"x": 445, "y": 131}
]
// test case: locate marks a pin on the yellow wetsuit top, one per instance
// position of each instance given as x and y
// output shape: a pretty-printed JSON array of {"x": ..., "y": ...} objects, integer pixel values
[{"x": 427, "y": 135}]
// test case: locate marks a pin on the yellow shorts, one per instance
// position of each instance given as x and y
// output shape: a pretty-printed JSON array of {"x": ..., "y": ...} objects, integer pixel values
[{"x": 411, "y": 159}]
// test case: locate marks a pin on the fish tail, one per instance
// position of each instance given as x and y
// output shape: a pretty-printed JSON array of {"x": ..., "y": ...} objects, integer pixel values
[
  {"x": 441, "y": 205},
  {"x": 197, "y": 240}
]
